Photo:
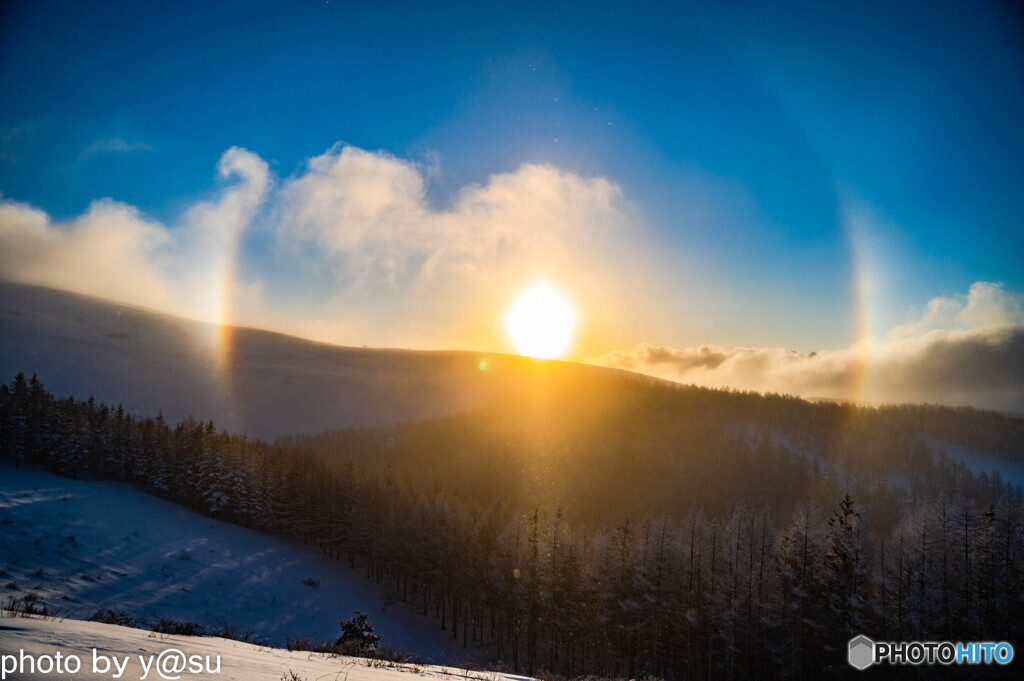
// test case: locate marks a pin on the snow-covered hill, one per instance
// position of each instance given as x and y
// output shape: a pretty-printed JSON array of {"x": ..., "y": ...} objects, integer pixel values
[
  {"x": 261, "y": 383},
  {"x": 236, "y": 661},
  {"x": 89, "y": 545},
  {"x": 977, "y": 463}
]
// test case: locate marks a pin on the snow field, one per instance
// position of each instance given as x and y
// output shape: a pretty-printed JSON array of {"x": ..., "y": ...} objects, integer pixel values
[
  {"x": 137, "y": 653},
  {"x": 88, "y": 545}
]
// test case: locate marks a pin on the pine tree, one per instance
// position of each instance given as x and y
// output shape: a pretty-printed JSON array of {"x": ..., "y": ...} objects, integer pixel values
[
  {"x": 802, "y": 587},
  {"x": 357, "y": 637},
  {"x": 847, "y": 575}
]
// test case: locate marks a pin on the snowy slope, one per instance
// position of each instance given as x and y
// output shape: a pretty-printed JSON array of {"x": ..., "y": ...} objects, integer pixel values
[
  {"x": 977, "y": 462},
  {"x": 86, "y": 545},
  {"x": 261, "y": 383},
  {"x": 237, "y": 661}
]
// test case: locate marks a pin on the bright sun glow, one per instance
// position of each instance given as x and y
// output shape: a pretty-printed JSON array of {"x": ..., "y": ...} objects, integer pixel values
[{"x": 540, "y": 322}]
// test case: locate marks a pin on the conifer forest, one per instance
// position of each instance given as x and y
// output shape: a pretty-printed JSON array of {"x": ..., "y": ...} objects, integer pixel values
[{"x": 609, "y": 526}]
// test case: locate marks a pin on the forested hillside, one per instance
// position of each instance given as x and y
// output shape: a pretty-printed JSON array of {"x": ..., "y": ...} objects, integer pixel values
[
  {"x": 603, "y": 447},
  {"x": 609, "y": 525}
]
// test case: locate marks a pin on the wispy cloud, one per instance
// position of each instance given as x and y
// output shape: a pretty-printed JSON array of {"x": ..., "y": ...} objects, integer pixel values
[
  {"x": 963, "y": 350},
  {"x": 10, "y": 136},
  {"x": 112, "y": 144}
]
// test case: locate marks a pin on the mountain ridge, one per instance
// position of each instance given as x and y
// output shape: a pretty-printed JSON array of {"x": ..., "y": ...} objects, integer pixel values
[{"x": 254, "y": 381}]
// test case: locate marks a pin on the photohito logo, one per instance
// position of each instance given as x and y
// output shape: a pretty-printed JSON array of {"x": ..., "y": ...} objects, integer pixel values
[{"x": 863, "y": 652}]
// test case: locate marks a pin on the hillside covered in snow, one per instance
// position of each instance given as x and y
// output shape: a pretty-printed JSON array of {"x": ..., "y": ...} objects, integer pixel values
[
  {"x": 84, "y": 546},
  {"x": 138, "y": 652}
]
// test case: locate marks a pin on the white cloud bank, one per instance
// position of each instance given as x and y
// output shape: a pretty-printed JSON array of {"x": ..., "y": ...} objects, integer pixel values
[
  {"x": 356, "y": 252},
  {"x": 114, "y": 251},
  {"x": 370, "y": 212},
  {"x": 966, "y": 350}
]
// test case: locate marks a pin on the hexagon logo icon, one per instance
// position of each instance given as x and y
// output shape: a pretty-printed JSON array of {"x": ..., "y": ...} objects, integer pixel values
[{"x": 862, "y": 652}]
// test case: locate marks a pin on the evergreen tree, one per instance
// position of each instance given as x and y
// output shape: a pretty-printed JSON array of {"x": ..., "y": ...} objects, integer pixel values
[
  {"x": 803, "y": 591},
  {"x": 847, "y": 576},
  {"x": 357, "y": 637}
]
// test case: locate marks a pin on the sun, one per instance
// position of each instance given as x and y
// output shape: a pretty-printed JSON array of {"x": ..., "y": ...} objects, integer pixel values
[{"x": 540, "y": 322}]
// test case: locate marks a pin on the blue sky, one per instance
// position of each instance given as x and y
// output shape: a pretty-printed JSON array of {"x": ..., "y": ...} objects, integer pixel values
[{"x": 752, "y": 143}]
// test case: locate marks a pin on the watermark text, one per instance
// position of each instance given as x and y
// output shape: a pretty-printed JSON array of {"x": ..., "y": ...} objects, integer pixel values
[
  {"x": 167, "y": 665},
  {"x": 863, "y": 652}
]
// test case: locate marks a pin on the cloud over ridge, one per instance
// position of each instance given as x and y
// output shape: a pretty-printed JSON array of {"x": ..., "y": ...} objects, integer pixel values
[{"x": 966, "y": 350}]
